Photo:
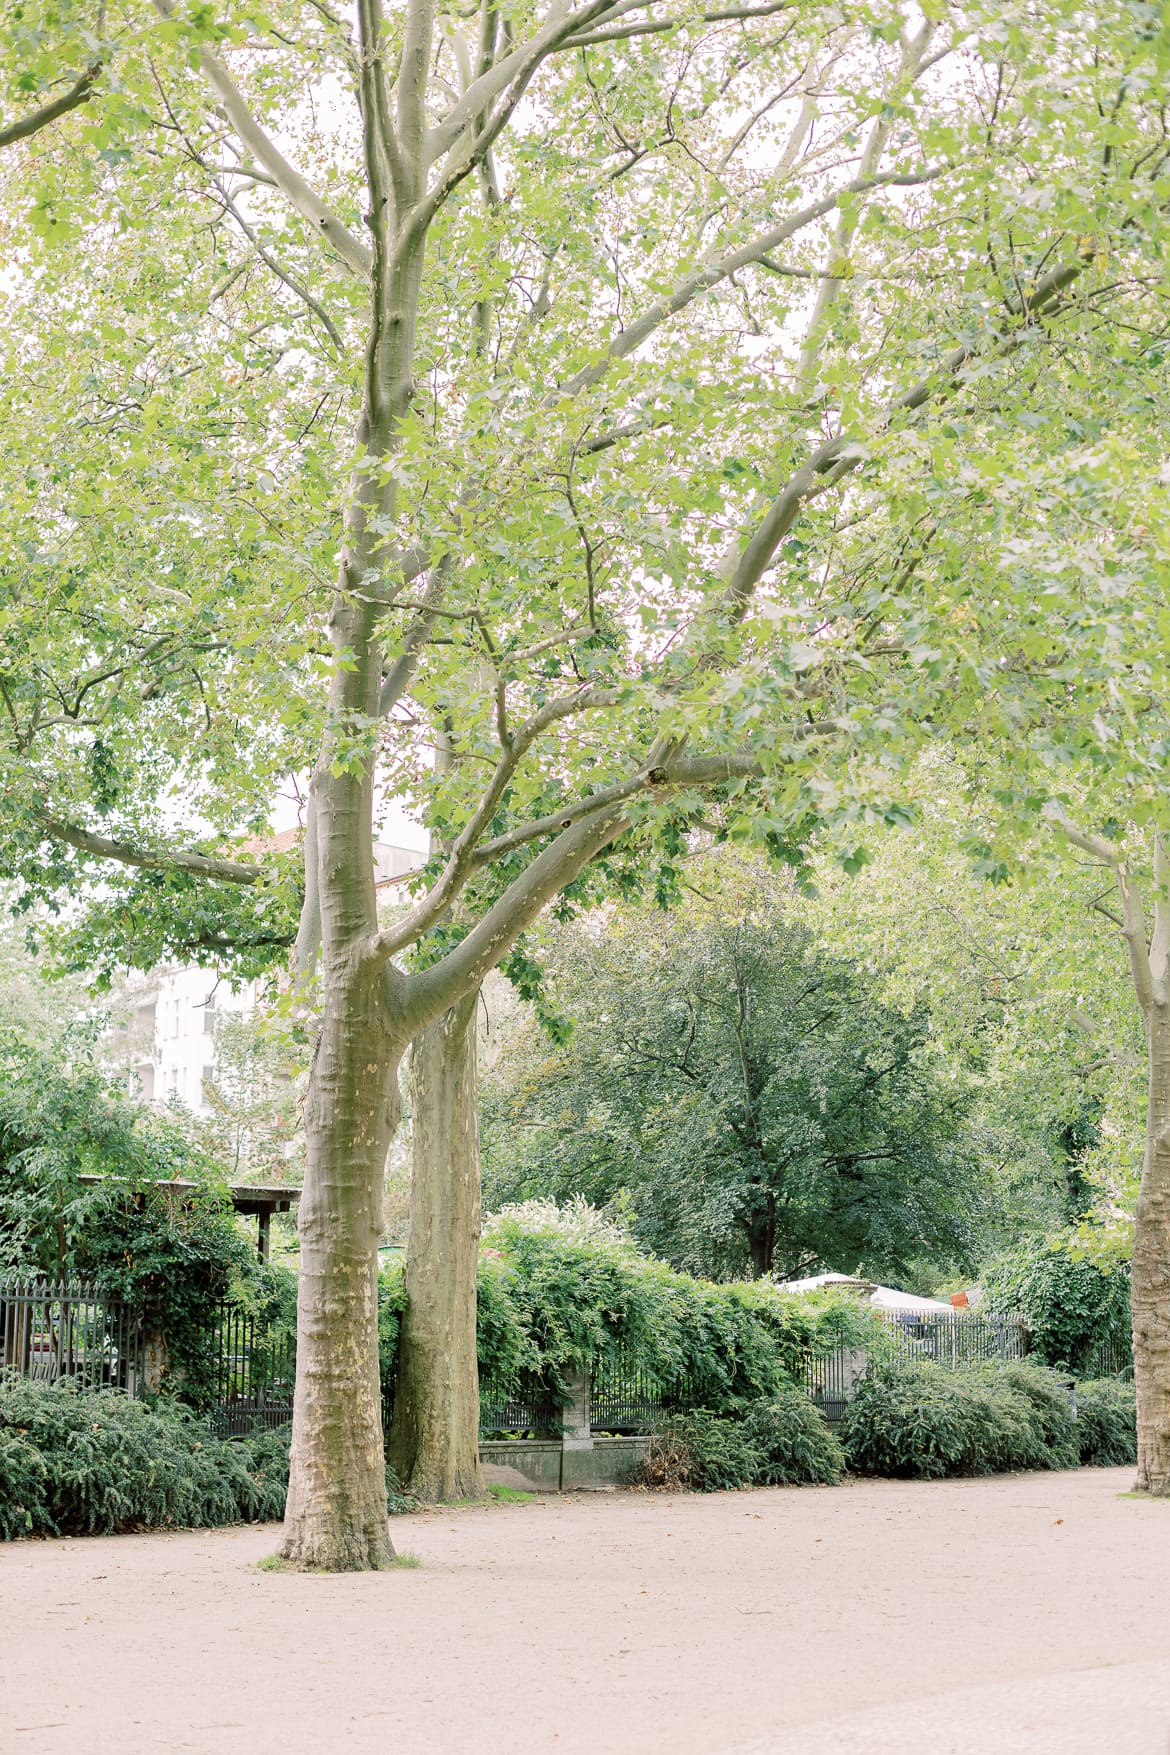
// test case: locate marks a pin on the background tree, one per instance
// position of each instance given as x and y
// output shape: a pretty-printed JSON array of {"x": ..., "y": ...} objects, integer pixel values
[
  {"x": 749, "y": 1097},
  {"x": 254, "y": 1097},
  {"x": 171, "y": 1253}
]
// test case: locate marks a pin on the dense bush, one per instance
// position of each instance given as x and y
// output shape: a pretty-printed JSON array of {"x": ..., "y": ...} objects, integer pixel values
[
  {"x": 1047, "y": 1391},
  {"x": 169, "y": 1252},
  {"x": 795, "y": 1443},
  {"x": 75, "y": 1462},
  {"x": 782, "y": 1442},
  {"x": 1071, "y": 1305},
  {"x": 563, "y": 1288},
  {"x": 1106, "y": 1423},
  {"x": 913, "y": 1418},
  {"x": 703, "y": 1452}
]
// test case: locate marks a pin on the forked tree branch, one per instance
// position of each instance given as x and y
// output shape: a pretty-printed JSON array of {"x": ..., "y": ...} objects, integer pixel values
[
  {"x": 1133, "y": 913},
  {"x": 296, "y": 191}
]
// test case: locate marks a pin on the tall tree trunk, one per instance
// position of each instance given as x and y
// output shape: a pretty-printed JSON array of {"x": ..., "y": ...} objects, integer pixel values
[
  {"x": 1151, "y": 1268},
  {"x": 762, "y": 1238},
  {"x": 336, "y": 1516},
  {"x": 434, "y": 1439}
]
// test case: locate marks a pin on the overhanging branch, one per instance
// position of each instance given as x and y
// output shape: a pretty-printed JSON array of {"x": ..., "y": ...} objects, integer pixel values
[
  {"x": 228, "y": 871},
  {"x": 79, "y": 93}
]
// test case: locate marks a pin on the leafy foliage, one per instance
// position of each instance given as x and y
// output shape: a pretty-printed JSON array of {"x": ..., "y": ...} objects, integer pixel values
[
  {"x": 749, "y": 1098},
  {"x": 563, "y": 1288},
  {"x": 703, "y": 1452},
  {"x": 1070, "y": 1303},
  {"x": 795, "y": 1443},
  {"x": 96, "y": 1462},
  {"x": 1106, "y": 1422},
  {"x": 915, "y": 1419},
  {"x": 779, "y": 1442},
  {"x": 171, "y": 1253},
  {"x": 566, "y": 1290}
]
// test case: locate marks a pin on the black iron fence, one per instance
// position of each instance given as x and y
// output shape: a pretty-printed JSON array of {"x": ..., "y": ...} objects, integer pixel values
[
  {"x": 517, "y": 1410},
  {"x": 255, "y": 1370},
  {"x": 72, "y": 1330},
  {"x": 56, "y": 1329},
  {"x": 1110, "y": 1358},
  {"x": 950, "y": 1338},
  {"x": 623, "y": 1399}
]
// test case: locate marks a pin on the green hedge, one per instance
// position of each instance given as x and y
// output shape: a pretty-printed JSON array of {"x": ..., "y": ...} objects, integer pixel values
[
  {"x": 784, "y": 1441},
  {"x": 561, "y": 1289},
  {"x": 915, "y": 1419},
  {"x": 795, "y": 1445},
  {"x": 1106, "y": 1423},
  {"x": 77, "y": 1462},
  {"x": 95, "y": 1462}
]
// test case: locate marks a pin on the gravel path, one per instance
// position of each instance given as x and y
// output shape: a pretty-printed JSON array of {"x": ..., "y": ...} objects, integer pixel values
[{"x": 1028, "y": 1613}]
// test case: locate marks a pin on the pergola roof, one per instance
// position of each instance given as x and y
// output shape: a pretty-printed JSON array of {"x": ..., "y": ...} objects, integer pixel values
[{"x": 250, "y": 1197}]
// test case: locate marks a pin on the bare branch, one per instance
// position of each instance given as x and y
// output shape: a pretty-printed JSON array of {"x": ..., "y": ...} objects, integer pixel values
[
  {"x": 521, "y": 61},
  {"x": 721, "y": 268},
  {"x": 432, "y": 990},
  {"x": 1133, "y": 920},
  {"x": 291, "y": 184},
  {"x": 282, "y": 274},
  {"x": 460, "y": 860},
  {"x": 398, "y": 679}
]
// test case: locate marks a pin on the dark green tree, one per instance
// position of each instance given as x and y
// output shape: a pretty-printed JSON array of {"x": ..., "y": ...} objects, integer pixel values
[{"x": 743, "y": 1092}]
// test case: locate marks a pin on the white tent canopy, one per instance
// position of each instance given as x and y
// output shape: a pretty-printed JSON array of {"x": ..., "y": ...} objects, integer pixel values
[{"x": 882, "y": 1297}]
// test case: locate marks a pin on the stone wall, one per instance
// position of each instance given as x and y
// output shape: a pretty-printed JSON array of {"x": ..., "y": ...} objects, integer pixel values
[{"x": 545, "y": 1465}]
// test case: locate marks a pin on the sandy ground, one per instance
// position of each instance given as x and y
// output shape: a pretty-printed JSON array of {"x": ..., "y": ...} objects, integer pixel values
[{"x": 1030, "y": 1613}]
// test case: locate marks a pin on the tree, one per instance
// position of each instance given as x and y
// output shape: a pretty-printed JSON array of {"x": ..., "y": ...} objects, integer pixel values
[
  {"x": 170, "y": 1253},
  {"x": 747, "y": 1094},
  {"x": 253, "y": 1100},
  {"x": 639, "y": 338},
  {"x": 1071, "y": 1305}
]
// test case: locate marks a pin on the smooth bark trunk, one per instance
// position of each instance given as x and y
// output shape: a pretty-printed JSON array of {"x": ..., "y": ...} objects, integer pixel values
[
  {"x": 336, "y": 1513},
  {"x": 1151, "y": 1269},
  {"x": 434, "y": 1440}
]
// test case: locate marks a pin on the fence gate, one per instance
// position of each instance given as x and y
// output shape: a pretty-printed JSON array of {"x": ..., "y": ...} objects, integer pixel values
[{"x": 51, "y": 1329}]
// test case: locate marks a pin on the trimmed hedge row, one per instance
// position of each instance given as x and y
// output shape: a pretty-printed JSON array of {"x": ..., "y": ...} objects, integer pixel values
[
  {"x": 910, "y": 1419},
  {"x": 95, "y": 1462}
]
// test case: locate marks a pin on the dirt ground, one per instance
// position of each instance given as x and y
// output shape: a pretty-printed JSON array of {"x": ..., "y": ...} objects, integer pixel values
[{"x": 1026, "y": 1613}]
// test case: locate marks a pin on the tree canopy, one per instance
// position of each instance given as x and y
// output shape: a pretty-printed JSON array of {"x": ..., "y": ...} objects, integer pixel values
[
  {"x": 750, "y": 1097},
  {"x": 554, "y": 420}
]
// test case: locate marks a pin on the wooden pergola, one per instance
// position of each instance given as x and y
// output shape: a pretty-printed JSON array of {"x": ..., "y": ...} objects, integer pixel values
[{"x": 260, "y": 1200}]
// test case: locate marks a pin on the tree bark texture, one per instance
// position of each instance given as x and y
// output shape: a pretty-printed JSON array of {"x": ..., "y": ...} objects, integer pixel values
[
  {"x": 1150, "y": 1290},
  {"x": 434, "y": 1441},
  {"x": 336, "y": 1514}
]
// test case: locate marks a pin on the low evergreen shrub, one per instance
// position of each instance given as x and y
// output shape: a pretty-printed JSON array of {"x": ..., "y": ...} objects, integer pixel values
[
  {"x": 78, "y": 1462},
  {"x": 914, "y": 1419},
  {"x": 795, "y": 1443},
  {"x": 1048, "y": 1393},
  {"x": 703, "y": 1452},
  {"x": 1106, "y": 1423},
  {"x": 779, "y": 1442}
]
